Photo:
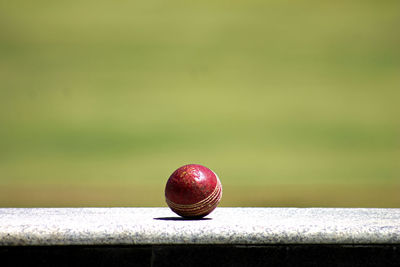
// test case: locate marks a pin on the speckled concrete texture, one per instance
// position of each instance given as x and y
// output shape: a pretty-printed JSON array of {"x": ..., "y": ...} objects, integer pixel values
[{"x": 151, "y": 226}]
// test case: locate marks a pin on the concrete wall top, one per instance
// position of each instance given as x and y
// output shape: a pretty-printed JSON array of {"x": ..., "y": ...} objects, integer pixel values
[{"x": 147, "y": 226}]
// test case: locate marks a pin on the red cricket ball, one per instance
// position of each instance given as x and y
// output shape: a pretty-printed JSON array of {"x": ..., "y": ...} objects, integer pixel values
[{"x": 193, "y": 191}]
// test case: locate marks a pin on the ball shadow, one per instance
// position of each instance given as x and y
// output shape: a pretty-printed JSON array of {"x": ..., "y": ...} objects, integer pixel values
[{"x": 180, "y": 219}]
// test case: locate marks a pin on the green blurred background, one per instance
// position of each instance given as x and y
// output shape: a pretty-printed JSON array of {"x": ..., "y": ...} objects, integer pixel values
[{"x": 291, "y": 103}]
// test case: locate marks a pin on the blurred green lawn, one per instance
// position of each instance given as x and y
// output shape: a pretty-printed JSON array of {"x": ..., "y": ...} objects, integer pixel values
[{"x": 292, "y": 103}]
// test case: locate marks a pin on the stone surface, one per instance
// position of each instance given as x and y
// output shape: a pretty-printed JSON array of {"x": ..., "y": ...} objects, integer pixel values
[{"x": 225, "y": 226}]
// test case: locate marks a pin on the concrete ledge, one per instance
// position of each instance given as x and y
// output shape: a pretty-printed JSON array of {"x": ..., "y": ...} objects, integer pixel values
[{"x": 225, "y": 226}]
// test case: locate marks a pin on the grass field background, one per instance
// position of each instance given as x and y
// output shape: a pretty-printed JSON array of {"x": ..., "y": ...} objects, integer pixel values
[{"x": 291, "y": 103}]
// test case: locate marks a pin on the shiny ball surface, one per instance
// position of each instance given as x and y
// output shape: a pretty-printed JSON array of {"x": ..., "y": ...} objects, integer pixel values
[{"x": 193, "y": 191}]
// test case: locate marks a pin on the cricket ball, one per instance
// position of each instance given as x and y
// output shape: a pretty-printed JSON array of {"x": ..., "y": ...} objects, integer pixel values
[{"x": 193, "y": 191}]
